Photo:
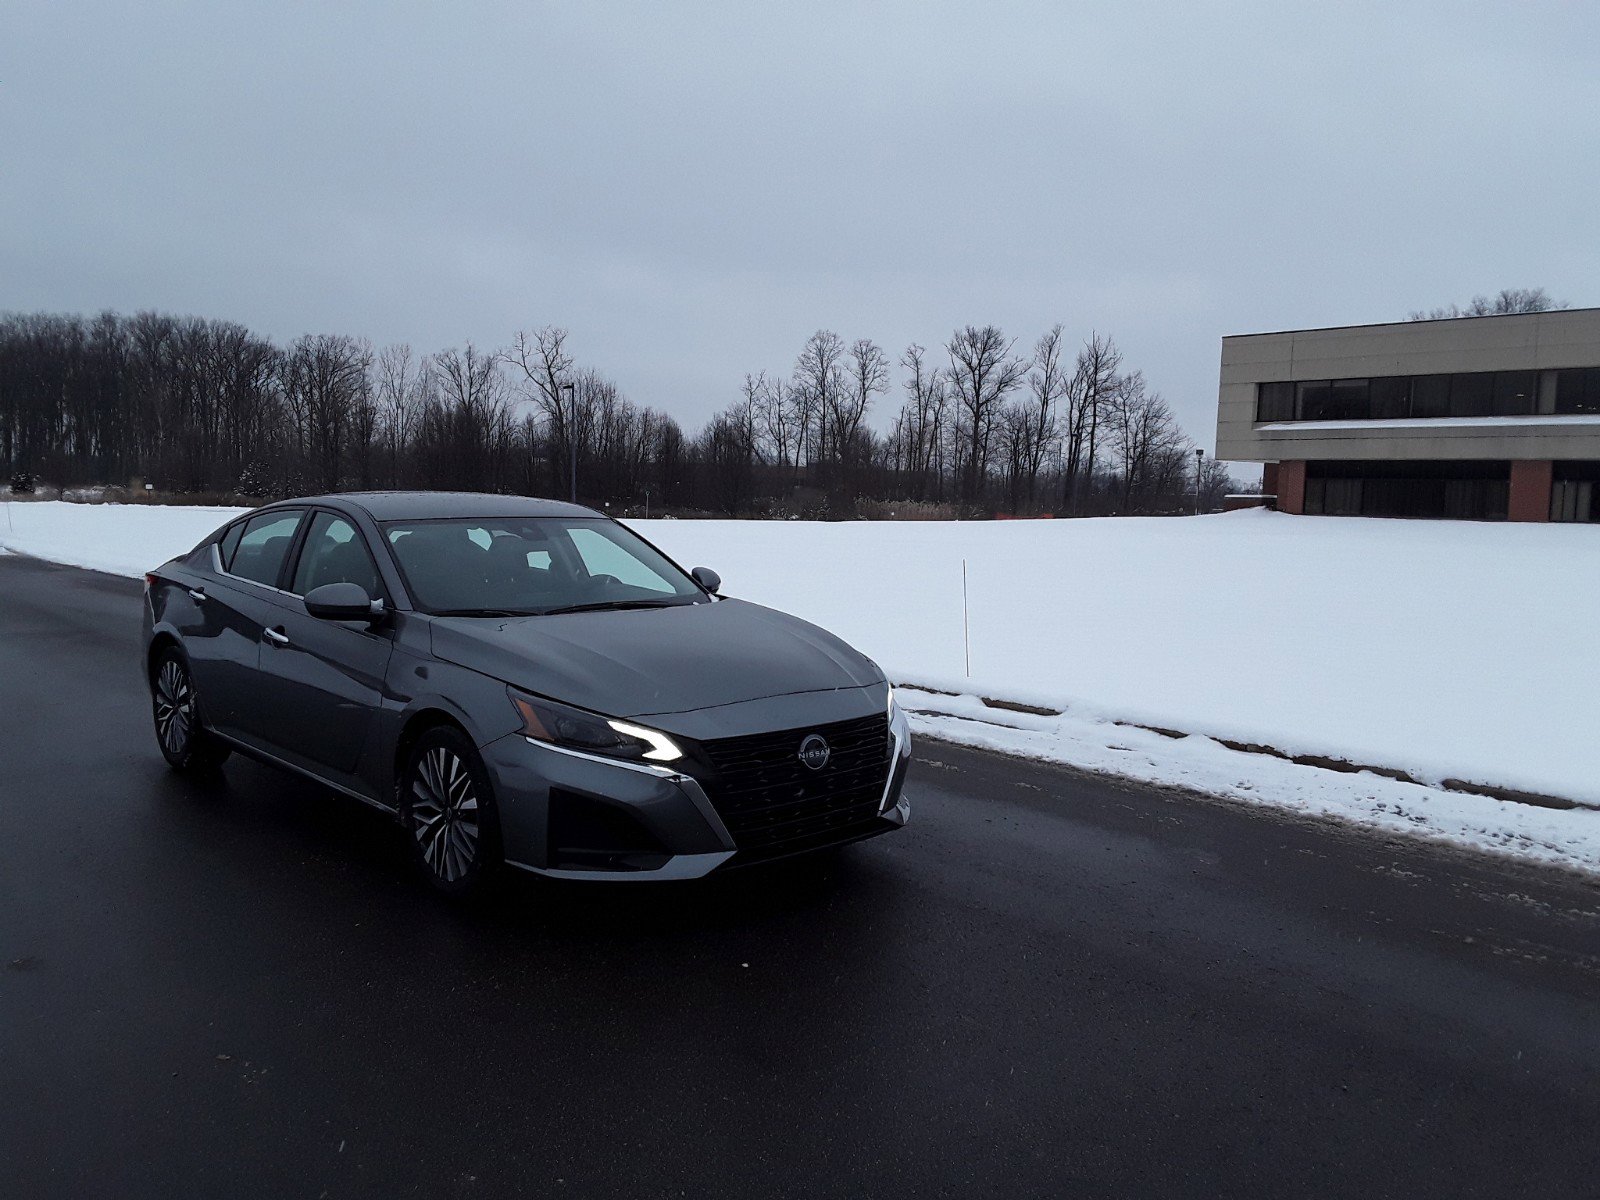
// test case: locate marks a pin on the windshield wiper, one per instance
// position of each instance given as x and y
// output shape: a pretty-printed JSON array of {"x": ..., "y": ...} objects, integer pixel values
[
  {"x": 484, "y": 612},
  {"x": 603, "y": 605}
]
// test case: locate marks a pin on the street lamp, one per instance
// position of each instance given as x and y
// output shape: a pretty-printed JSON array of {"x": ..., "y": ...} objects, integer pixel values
[
  {"x": 1199, "y": 456},
  {"x": 572, "y": 436}
]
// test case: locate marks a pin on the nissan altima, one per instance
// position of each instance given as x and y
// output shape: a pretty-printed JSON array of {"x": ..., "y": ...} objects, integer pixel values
[{"x": 521, "y": 682}]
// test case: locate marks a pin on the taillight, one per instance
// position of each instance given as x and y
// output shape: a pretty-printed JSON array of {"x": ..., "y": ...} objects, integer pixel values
[{"x": 150, "y": 580}]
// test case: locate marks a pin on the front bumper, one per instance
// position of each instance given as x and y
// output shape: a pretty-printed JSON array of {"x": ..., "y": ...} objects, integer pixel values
[{"x": 571, "y": 815}]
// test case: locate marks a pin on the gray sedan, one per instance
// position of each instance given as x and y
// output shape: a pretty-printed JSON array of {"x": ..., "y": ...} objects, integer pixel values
[{"x": 519, "y": 682}]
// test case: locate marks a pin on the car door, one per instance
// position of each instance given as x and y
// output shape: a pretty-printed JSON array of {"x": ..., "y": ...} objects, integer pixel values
[
  {"x": 322, "y": 681},
  {"x": 229, "y": 599}
]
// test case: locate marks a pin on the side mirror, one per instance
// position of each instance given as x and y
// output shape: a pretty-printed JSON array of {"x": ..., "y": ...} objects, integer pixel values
[
  {"x": 342, "y": 602},
  {"x": 707, "y": 578}
]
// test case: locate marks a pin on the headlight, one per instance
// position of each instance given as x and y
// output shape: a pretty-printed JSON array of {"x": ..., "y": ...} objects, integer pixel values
[{"x": 574, "y": 729}]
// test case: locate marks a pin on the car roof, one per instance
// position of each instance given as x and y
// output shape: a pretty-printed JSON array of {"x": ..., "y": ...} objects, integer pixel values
[{"x": 421, "y": 506}]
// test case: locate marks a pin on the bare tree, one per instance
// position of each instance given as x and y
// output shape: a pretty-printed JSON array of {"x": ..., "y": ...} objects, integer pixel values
[
  {"x": 818, "y": 384},
  {"x": 542, "y": 361},
  {"x": 779, "y": 429},
  {"x": 400, "y": 388},
  {"x": 1092, "y": 378},
  {"x": 1048, "y": 384},
  {"x": 920, "y": 428},
  {"x": 868, "y": 374},
  {"x": 1151, "y": 449},
  {"x": 726, "y": 448},
  {"x": 323, "y": 376},
  {"x": 1016, "y": 440},
  {"x": 469, "y": 415},
  {"x": 982, "y": 374},
  {"x": 1504, "y": 303}
]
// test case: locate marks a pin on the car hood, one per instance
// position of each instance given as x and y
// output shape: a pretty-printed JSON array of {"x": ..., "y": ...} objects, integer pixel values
[{"x": 648, "y": 661}]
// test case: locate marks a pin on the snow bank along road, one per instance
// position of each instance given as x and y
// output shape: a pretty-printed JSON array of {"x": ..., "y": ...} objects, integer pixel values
[
  {"x": 1448, "y": 651},
  {"x": 1049, "y": 984}
]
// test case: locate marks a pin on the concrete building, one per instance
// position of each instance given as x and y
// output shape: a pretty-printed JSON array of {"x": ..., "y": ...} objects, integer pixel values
[{"x": 1480, "y": 417}]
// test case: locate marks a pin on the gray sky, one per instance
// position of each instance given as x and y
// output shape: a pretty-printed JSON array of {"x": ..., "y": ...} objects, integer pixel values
[{"x": 692, "y": 189}]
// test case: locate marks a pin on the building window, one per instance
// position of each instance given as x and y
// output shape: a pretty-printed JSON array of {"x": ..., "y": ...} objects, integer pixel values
[
  {"x": 1347, "y": 400},
  {"x": 1311, "y": 400},
  {"x": 1516, "y": 393},
  {"x": 1390, "y": 398},
  {"x": 1396, "y": 397},
  {"x": 1578, "y": 391},
  {"x": 1575, "y": 492},
  {"x": 1430, "y": 396},
  {"x": 1463, "y": 491},
  {"x": 1275, "y": 402},
  {"x": 1472, "y": 395}
]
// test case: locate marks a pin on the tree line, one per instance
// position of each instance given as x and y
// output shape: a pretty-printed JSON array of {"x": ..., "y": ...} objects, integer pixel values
[
  {"x": 202, "y": 406},
  {"x": 1503, "y": 303}
]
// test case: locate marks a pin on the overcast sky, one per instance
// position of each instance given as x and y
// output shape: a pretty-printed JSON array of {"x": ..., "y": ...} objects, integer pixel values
[{"x": 692, "y": 189}]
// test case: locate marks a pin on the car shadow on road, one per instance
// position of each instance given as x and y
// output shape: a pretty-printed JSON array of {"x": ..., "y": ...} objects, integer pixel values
[{"x": 247, "y": 816}]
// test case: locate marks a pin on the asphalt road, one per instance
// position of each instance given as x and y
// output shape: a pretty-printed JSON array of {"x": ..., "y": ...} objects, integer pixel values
[{"x": 1046, "y": 985}]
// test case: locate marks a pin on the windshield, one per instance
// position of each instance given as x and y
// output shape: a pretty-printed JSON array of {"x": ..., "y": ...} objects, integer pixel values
[{"x": 524, "y": 566}]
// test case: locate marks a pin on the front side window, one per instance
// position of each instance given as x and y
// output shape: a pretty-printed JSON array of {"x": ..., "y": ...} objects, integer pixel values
[
  {"x": 263, "y": 546},
  {"x": 335, "y": 553},
  {"x": 524, "y": 566}
]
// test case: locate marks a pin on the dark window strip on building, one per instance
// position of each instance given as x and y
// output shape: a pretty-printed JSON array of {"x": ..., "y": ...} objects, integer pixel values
[
  {"x": 1465, "y": 491},
  {"x": 1464, "y": 394}
]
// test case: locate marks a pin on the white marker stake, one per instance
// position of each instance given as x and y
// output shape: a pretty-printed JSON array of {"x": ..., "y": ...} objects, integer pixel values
[{"x": 966, "y": 627}]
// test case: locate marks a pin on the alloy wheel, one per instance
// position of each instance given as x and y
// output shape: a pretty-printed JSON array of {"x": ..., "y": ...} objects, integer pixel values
[
  {"x": 445, "y": 813},
  {"x": 174, "y": 708}
]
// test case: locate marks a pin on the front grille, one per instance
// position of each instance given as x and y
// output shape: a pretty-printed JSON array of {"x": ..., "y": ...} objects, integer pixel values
[{"x": 771, "y": 802}]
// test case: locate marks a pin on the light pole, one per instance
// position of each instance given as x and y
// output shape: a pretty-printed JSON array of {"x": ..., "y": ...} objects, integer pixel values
[
  {"x": 572, "y": 436},
  {"x": 1199, "y": 456}
]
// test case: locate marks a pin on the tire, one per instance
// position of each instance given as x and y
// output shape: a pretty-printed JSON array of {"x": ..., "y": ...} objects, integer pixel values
[
  {"x": 175, "y": 705},
  {"x": 447, "y": 808}
]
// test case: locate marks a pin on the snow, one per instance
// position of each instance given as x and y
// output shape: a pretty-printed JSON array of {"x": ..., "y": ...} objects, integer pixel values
[
  {"x": 1448, "y": 650},
  {"x": 1445, "y": 649},
  {"x": 1541, "y": 835},
  {"x": 119, "y": 539}
]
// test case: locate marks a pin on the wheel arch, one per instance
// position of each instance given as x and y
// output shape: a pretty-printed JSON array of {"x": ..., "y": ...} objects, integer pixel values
[
  {"x": 162, "y": 641},
  {"x": 415, "y": 725}
]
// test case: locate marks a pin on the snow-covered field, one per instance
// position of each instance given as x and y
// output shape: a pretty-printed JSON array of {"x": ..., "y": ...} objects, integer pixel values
[{"x": 1447, "y": 650}]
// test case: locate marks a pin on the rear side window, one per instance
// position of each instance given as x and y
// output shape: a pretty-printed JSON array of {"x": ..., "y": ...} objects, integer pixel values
[
  {"x": 228, "y": 544},
  {"x": 335, "y": 553},
  {"x": 263, "y": 546}
]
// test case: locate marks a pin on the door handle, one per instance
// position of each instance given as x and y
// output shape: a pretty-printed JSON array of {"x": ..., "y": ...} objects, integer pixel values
[
  {"x": 276, "y": 636},
  {"x": 197, "y": 593}
]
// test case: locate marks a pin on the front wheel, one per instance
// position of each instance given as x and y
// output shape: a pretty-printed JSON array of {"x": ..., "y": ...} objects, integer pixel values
[
  {"x": 185, "y": 743},
  {"x": 448, "y": 811}
]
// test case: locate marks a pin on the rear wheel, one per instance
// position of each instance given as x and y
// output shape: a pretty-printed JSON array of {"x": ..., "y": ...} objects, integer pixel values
[
  {"x": 184, "y": 741},
  {"x": 448, "y": 810}
]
